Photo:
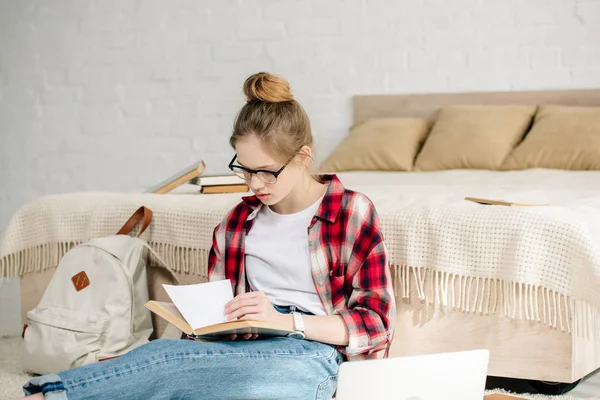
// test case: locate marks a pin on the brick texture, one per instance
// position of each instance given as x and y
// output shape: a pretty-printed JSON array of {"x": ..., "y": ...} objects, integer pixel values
[{"x": 117, "y": 94}]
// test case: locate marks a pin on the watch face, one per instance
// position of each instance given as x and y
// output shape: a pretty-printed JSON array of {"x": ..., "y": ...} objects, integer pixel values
[{"x": 296, "y": 335}]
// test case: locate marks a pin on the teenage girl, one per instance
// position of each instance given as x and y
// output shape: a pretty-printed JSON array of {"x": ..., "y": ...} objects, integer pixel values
[{"x": 303, "y": 252}]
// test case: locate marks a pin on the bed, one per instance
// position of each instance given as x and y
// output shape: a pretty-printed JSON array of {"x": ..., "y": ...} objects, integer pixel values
[
  {"x": 523, "y": 282},
  {"x": 502, "y": 310},
  {"x": 524, "y": 332}
]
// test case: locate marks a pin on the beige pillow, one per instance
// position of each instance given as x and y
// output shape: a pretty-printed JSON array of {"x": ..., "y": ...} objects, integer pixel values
[
  {"x": 561, "y": 137},
  {"x": 474, "y": 136},
  {"x": 382, "y": 144}
]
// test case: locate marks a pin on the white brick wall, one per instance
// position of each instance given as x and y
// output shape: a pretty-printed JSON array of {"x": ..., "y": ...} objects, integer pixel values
[{"x": 115, "y": 95}]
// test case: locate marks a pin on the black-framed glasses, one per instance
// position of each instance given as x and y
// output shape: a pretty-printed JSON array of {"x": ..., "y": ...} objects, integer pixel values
[{"x": 264, "y": 175}]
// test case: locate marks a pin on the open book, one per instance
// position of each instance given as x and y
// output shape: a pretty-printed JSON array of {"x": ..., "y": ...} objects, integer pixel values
[{"x": 198, "y": 311}]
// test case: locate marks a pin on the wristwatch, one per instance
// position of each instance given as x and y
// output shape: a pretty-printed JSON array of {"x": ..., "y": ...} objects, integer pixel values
[{"x": 298, "y": 326}]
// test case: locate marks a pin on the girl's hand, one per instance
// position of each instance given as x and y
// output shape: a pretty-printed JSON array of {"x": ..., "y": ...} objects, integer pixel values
[
  {"x": 254, "y": 306},
  {"x": 246, "y": 336}
]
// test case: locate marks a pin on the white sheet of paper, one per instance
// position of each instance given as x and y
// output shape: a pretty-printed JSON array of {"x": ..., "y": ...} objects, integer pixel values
[{"x": 201, "y": 304}]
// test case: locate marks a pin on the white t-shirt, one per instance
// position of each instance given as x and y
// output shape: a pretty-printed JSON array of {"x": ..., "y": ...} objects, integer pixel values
[{"x": 278, "y": 258}]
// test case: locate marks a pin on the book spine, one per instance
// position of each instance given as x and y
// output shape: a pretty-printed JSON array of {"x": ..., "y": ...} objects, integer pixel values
[{"x": 224, "y": 189}]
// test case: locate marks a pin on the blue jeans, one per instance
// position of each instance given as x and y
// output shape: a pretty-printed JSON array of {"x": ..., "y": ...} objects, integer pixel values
[{"x": 274, "y": 368}]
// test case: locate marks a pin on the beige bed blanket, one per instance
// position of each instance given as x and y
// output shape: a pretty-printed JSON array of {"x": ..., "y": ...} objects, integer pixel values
[{"x": 538, "y": 263}]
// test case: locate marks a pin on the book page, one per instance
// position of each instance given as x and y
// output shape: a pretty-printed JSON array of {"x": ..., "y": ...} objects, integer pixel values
[{"x": 201, "y": 304}]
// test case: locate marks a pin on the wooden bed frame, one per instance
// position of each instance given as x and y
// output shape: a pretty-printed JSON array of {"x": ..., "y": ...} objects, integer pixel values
[
  {"x": 427, "y": 105},
  {"x": 518, "y": 348}
]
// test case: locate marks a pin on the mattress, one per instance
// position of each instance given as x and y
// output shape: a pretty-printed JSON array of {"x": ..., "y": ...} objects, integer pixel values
[{"x": 576, "y": 191}]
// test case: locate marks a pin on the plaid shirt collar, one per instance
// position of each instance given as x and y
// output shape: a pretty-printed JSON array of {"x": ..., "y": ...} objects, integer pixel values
[{"x": 330, "y": 207}]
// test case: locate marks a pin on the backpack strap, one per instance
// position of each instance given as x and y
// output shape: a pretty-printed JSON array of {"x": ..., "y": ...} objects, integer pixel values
[
  {"x": 141, "y": 214},
  {"x": 161, "y": 263},
  {"x": 170, "y": 331},
  {"x": 145, "y": 214}
]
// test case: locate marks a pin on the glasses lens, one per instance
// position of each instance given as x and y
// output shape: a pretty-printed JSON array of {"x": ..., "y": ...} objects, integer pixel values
[
  {"x": 241, "y": 173},
  {"x": 266, "y": 177}
]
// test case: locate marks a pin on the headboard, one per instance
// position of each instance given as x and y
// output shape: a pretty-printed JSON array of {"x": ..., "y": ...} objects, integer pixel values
[{"x": 426, "y": 105}]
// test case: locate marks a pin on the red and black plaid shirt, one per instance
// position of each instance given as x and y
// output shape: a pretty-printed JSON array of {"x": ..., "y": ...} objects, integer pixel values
[{"x": 348, "y": 260}]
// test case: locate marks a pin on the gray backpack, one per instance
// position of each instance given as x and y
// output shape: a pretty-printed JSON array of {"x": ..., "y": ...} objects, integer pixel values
[{"x": 93, "y": 307}]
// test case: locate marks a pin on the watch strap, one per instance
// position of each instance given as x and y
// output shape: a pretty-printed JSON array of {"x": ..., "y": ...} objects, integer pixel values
[{"x": 298, "y": 322}]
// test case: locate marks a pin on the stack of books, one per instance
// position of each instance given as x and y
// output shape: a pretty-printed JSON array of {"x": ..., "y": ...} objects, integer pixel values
[
  {"x": 192, "y": 177},
  {"x": 221, "y": 184}
]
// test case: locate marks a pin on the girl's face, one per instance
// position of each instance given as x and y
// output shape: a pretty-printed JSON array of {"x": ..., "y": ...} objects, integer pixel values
[{"x": 252, "y": 155}]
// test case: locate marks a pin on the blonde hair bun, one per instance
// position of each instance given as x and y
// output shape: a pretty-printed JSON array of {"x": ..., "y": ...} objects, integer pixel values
[{"x": 267, "y": 87}]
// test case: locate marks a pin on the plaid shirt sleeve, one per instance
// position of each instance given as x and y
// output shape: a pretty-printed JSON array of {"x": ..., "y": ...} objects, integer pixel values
[
  {"x": 371, "y": 309},
  {"x": 224, "y": 256},
  {"x": 216, "y": 263}
]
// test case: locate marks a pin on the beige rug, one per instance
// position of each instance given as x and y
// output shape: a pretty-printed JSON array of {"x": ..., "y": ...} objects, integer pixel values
[{"x": 12, "y": 377}]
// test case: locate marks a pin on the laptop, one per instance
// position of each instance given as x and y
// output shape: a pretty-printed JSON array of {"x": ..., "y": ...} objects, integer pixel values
[{"x": 446, "y": 376}]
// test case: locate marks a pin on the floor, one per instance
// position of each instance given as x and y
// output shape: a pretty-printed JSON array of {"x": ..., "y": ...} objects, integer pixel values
[{"x": 10, "y": 307}]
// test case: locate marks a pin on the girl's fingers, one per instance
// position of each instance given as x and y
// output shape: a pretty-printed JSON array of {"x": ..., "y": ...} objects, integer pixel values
[
  {"x": 237, "y": 303},
  {"x": 243, "y": 311},
  {"x": 245, "y": 302},
  {"x": 244, "y": 296},
  {"x": 245, "y": 336},
  {"x": 252, "y": 317}
]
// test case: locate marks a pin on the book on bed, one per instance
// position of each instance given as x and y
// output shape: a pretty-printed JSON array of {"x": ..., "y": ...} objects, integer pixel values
[
  {"x": 222, "y": 179},
  {"x": 228, "y": 183},
  {"x": 198, "y": 311},
  {"x": 238, "y": 188},
  {"x": 500, "y": 202},
  {"x": 181, "y": 177}
]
